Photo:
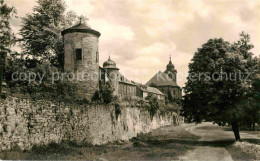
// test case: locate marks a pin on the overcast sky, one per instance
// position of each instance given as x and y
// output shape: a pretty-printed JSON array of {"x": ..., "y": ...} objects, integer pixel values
[{"x": 140, "y": 35}]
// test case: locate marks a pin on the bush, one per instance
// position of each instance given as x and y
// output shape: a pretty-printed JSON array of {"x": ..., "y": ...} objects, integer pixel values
[
  {"x": 153, "y": 104},
  {"x": 43, "y": 86},
  {"x": 105, "y": 94}
]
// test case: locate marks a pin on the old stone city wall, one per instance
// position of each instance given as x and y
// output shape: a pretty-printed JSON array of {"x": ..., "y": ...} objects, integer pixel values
[{"x": 25, "y": 123}]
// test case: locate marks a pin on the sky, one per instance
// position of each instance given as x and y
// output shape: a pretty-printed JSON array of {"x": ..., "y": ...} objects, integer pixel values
[{"x": 140, "y": 35}]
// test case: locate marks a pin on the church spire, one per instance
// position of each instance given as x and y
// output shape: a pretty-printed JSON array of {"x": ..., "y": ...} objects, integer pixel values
[
  {"x": 109, "y": 57},
  {"x": 170, "y": 62}
]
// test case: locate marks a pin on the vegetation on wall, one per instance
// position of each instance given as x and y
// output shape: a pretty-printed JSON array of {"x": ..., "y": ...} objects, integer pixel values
[
  {"x": 153, "y": 105},
  {"x": 105, "y": 94},
  {"x": 38, "y": 82},
  {"x": 117, "y": 110}
]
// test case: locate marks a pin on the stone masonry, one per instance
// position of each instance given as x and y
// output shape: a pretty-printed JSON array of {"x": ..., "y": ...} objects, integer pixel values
[
  {"x": 25, "y": 123},
  {"x": 85, "y": 70}
]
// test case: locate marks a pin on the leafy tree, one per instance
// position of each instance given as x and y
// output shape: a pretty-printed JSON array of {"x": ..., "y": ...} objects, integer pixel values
[
  {"x": 211, "y": 92},
  {"x": 41, "y": 31},
  {"x": 7, "y": 38}
]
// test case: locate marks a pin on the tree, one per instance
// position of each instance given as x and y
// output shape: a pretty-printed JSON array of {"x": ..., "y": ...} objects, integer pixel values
[
  {"x": 219, "y": 78},
  {"x": 7, "y": 37},
  {"x": 41, "y": 32}
]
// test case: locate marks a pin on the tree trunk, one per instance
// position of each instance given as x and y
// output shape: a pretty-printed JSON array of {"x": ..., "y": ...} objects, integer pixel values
[{"x": 236, "y": 131}]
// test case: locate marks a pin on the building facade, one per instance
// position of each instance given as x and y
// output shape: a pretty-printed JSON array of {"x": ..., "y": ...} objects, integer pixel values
[{"x": 166, "y": 82}]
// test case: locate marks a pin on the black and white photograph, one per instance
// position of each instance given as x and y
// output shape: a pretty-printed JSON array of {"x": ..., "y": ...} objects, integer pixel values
[{"x": 109, "y": 80}]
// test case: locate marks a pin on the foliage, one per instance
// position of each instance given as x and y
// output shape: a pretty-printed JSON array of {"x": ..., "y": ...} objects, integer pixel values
[
  {"x": 41, "y": 31},
  {"x": 7, "y": 38},
  {"x": 117, "y": 110},
  {"x": 153, "y": 105},
  {"x": 211, "y": 92},
  {"x": 40, "y": 84},
  {"x": 171, "y": 107},
  {"x": 105, "y": 94}
]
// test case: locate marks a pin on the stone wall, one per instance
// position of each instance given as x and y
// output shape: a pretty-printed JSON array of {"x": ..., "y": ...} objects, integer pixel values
[{"x": 26, "y": 123}]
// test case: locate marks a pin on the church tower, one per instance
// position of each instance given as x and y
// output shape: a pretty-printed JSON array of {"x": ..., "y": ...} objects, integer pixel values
[
  {"x": 81, "y": 57},
  {"x": 171, "y": 71}
]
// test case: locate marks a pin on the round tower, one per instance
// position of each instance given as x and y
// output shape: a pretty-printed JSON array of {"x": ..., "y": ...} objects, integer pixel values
[
  {"x": 113, "y": 74},
  {"x": 81, "y": 57},
  {"x": 171, "y": 71}
]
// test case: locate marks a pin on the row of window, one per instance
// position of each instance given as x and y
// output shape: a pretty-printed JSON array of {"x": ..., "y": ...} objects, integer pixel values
[{"x": 127, "y": 90}]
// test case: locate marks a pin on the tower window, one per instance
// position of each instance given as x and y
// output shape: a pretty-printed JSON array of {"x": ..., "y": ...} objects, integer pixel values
[
  {"x": 97, "y": 56},
  {"x": 78, "y": 53}
]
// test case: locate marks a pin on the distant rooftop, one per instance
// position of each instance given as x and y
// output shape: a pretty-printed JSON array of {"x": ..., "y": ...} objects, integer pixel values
[
  {"x": 161, "y": 79},
  {"x": 148, "y": 89}
]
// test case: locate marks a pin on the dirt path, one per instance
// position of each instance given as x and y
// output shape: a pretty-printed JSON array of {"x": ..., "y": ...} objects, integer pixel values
[
  {"x": 208, "y": 133},
  {"x": 207, "y": 153}
]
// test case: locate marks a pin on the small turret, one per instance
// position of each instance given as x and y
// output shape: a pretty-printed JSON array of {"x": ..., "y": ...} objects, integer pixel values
[{"x": 113, "y": 73}]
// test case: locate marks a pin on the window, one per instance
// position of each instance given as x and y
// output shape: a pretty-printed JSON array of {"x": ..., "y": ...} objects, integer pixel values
[
  {"x": 78, "y": 53},
  {"x": 97, "y": 56}
]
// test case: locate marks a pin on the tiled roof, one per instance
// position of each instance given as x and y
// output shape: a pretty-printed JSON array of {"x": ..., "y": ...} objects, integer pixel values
[
  {"x": 154, "y": 90},
  {"x": 161, "y": 79},
  {"x": 148, "y": 88},
  {"x": 123, "y": 79},
  {"x": 80, "y": 28}
]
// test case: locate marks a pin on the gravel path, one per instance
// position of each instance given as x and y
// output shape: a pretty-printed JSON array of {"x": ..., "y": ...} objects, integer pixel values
[{"x": 209, "y": 133}]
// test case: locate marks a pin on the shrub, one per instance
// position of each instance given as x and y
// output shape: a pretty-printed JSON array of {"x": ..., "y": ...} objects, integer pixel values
[
  {"x": 153, "y": 104},
  {"x": 44, "y": 87},
  {"x": 105, "y": 94}
]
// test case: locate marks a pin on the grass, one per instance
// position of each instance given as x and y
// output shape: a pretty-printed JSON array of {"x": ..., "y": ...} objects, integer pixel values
[
  {"x": 238, "y": 154},
  {"x": 158, "y": 145}
]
